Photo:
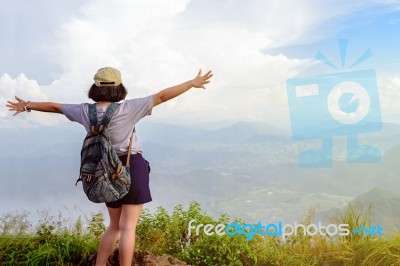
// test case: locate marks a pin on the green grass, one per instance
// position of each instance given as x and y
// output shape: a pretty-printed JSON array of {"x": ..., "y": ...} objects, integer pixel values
[
  {"x": 161, "y": 232},
  {"x": 49, "y": 243}
]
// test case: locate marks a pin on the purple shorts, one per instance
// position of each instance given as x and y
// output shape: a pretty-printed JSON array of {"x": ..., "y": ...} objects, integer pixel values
[{"x": 139, "y": 192}]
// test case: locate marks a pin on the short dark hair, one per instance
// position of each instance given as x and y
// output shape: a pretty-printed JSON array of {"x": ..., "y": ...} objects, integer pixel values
[{"x": 107, "y": 93}]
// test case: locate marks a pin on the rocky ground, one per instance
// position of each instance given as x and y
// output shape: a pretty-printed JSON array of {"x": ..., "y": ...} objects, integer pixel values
[{"x": 141, "y": 258}]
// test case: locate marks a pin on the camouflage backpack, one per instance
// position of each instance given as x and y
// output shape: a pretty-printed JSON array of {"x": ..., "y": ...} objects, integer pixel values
[{"x": 104, "y": 178}]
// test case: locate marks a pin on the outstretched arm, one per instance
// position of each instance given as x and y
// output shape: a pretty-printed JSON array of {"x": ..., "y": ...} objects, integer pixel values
[
  {"x": 167, "y": 94},
  {"x": 22, "y": 106}
]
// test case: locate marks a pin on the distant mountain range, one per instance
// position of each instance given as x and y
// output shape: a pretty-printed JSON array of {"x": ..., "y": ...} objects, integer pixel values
[
  {"x": 245, "y": 169},
  {"x": 385, "y": 207},
  {"x": 380, "y": 207}
]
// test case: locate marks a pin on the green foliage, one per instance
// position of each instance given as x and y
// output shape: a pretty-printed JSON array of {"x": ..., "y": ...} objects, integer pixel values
[
  {"x": 96, "y": 225},
  {"x": 355, "y": 218},
  {"x": 162, "y": 232},
  {"x": 51, "y": 242},
  {"x": 14, "y": 223}
]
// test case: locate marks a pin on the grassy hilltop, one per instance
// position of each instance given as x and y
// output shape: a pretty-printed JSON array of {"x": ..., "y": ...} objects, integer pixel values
[{"x": 52, "y": 243}]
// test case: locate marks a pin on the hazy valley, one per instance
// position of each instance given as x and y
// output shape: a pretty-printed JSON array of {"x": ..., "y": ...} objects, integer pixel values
[{"x": 248, "y": 170}]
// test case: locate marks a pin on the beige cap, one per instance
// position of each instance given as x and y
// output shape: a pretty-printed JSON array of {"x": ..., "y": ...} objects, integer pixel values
[{"x": 107, "y": 76}]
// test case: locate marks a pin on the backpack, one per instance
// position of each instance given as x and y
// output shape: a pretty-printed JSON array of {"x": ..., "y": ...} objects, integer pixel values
[{"x": 104, "y": 178}]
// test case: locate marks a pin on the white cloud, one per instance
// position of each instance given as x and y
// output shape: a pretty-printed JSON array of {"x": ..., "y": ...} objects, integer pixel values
[
  {"x": 27, "y": 89},
  {"x": 155, "y": 46},
  {"x": 389, "y": 94},
  {"x": 162, "y": 43},
  {"x": 283, "y": 22},
  {"x": 395, "y": 4},
  {"x": 130, "y": 35},
  {"x": 27, "y": 30}
]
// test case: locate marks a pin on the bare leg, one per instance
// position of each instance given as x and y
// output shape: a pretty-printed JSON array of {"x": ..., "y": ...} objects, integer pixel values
[
  {"x": 127, "y": 224},
  {"x": 109, "y": 237}
]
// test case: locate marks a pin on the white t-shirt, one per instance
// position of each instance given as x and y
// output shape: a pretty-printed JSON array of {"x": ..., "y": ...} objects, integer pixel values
[{"x": 121, "y": 125}]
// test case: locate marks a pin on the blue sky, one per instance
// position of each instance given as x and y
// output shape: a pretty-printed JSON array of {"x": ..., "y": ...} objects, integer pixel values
[
  {"x": 378, "y": 31},
  {"x": 50, "y": 51}
]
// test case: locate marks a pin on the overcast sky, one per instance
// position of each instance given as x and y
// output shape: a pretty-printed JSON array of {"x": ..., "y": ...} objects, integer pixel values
[{"x": 50, "y": 51}]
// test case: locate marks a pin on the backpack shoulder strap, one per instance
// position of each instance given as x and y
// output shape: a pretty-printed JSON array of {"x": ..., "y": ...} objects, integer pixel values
[
  {"x": 108, "y": 115},
  {"x": 92, "y": 117}
]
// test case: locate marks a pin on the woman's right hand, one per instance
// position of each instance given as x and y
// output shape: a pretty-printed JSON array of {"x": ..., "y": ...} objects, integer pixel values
[{"x": 199, "y": 81}]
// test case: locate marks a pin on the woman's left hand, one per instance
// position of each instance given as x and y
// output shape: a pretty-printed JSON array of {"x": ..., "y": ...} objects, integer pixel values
[{"x": 18, "y": 107}]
